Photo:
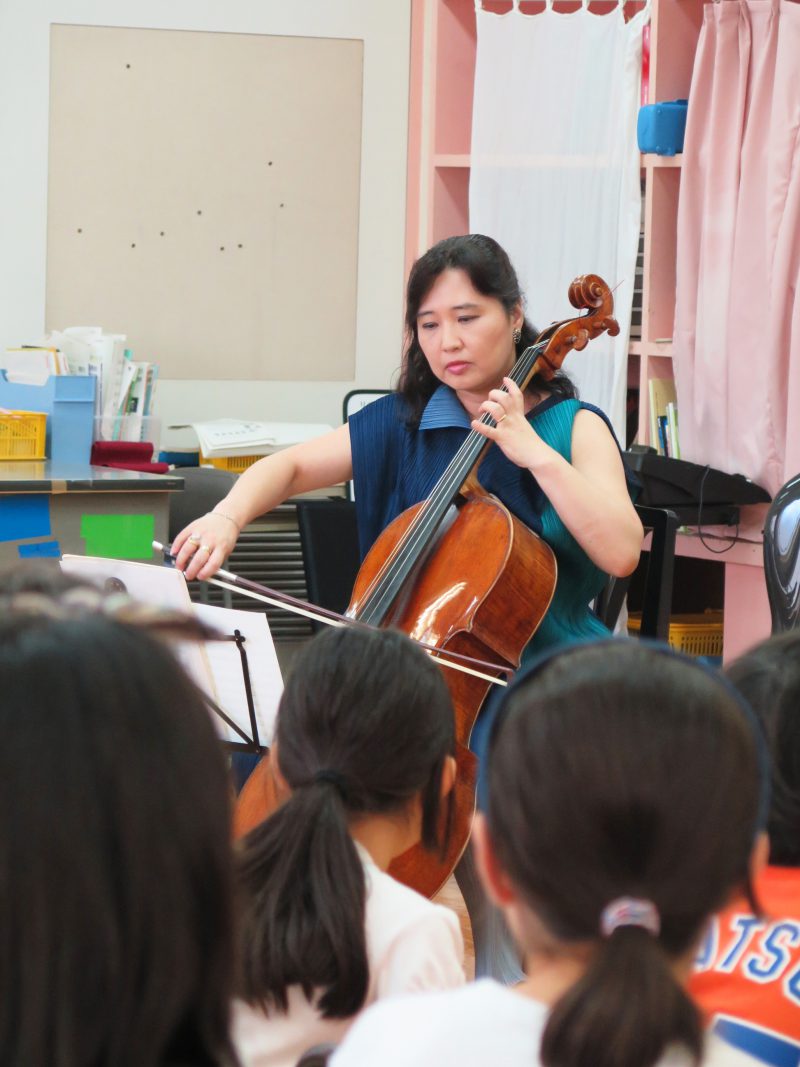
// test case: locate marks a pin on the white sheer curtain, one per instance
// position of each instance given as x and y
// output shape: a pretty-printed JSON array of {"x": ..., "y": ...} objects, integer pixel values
[{"x": 555, "y": 174}]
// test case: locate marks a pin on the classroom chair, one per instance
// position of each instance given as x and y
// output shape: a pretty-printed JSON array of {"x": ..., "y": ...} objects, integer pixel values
[{"x": 329, "y": 543}]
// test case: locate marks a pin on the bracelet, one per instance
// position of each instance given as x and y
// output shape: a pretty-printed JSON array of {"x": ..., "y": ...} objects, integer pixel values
[{"x": 222, "y": 515}]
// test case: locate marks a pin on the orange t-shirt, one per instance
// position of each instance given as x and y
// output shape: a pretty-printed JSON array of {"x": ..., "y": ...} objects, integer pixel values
[{"x": 747, "y": 978}]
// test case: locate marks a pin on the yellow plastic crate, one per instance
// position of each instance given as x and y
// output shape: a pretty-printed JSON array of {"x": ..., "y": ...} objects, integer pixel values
[
  {"x": 235, "y": 464},
  {"x": 696, "y": 635},
  {"x": 22, "y": 434}
]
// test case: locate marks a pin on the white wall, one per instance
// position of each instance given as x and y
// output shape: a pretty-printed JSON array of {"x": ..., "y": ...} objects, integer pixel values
[{"x": 384, "y": 27}]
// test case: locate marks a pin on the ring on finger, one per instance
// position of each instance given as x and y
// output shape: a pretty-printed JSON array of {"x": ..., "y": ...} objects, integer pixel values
[
  {"x": 205, "y": 548},
  {"x": 498, "y": 421},
  {"x": 195, "y": 539}
]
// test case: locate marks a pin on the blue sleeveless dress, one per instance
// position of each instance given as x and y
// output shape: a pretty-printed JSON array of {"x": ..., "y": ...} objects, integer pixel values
[{"x": 395, "y": 467}]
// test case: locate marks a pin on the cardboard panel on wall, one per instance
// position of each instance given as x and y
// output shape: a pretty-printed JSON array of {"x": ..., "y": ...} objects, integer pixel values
[{"x": 203, "y": 198}]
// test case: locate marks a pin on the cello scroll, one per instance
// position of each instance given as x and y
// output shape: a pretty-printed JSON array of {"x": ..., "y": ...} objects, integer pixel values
[{"x": 587, "y": 291}]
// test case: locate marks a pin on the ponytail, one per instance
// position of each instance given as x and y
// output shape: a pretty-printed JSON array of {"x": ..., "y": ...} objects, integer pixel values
[
  {"x": 624, "y": 1011},
  {"x": 304, "y": 925},
  {"x": 364, "y": 728}
]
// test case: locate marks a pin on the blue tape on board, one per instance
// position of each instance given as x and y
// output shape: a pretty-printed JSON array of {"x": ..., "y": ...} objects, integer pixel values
[
  {"x": 24, "y": 515},
  {"x": 42, "y": 550}
]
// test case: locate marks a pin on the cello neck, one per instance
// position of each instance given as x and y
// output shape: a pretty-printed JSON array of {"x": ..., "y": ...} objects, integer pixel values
[{"x": 475, "y": 444}]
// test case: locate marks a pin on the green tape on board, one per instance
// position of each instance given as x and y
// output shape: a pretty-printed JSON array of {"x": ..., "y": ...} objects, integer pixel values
[{"x": 119, "y": 536}]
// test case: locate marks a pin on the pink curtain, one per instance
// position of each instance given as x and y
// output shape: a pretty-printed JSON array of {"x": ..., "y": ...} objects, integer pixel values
[{"x": 737, "y": 319}]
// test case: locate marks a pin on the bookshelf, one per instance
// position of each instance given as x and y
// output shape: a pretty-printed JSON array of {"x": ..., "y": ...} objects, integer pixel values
[
  {"x": 443, "y": 45},
  {"x": 674, "y": 29},
  {"x": 442, "y": 72}
]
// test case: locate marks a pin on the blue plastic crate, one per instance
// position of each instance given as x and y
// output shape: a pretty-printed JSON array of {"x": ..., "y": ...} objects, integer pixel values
[
  {"x": 69, "y": 402},
  {"x": 661, "y": 127}
]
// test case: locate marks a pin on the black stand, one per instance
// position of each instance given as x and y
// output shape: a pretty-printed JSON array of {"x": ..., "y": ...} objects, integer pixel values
[
  {"x": 657, "y": 602},
  {"x": 247, "y": 744}
]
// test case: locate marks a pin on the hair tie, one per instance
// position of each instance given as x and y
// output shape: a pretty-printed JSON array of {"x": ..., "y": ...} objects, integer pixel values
[
  {"x": 630, "y": 911},
  {"x": 331, "y": 777}
]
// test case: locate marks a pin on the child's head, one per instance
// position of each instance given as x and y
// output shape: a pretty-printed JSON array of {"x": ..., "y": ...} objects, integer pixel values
[
  {"x": 768, "y": 678},
  {"x": 366, "y": 717},
  {"x": 365, "y": 728},
  {"x": 116, "y": 884},
  {"x": 623, "y": 807}
]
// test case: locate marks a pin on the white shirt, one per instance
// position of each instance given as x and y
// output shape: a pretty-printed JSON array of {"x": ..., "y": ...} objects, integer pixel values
[
  {"x": 482, "y": 1025},
  {"x": 412, "y": 945}
]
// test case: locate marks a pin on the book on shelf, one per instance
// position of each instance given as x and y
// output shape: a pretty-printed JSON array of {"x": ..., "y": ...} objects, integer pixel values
[
  {"x": 663, "y": 442},
  {"x": 662, "y": 398},
  {"x": 672, "y": 430}
]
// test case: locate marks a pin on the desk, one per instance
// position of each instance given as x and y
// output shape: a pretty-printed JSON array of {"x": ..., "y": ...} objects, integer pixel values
[{"x": 48, "y": 508}]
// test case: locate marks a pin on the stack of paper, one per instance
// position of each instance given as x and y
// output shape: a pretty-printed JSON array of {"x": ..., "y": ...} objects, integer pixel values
[
  {"x": 90, "y": 351},
  {"x": 33, "y": 365},
  {"x": 125, "y": 387},
  {"x": 235, "y": 437}
]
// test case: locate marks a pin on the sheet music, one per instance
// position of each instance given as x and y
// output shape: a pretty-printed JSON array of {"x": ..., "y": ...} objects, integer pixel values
[
  {"x": 216, "y": 666},
  {"x": 226, "y": 666},
  {"x": 162, "y": 587}
]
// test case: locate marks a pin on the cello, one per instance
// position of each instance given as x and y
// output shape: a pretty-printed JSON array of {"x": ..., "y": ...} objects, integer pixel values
[{"x": 458, "y": 572}]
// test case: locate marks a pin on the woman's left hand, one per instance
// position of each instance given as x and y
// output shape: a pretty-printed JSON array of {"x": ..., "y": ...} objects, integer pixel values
[{"x": 512, "y": 432}]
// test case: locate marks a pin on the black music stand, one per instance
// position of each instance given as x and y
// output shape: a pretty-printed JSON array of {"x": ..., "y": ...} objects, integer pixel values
[{"x": 247, "y": 744}]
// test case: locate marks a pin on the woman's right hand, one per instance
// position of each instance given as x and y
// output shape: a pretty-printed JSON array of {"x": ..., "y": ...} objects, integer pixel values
[{"x": 202, "y": 547}]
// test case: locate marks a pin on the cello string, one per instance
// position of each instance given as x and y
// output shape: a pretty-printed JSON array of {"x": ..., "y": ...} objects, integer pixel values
[
  {"x": 398, "y": 565},
  {"x": 407, "y": 552},
  {"x": 432, "y": 512}
]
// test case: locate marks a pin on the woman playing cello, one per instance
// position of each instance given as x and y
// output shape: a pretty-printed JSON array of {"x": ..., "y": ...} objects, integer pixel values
[{"x": 557, "y": 466}]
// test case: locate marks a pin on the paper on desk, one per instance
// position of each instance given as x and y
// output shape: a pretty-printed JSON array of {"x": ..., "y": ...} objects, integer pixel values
[
  {"x": 235, "y": 437},
  {"x": 226, "y": 666}
]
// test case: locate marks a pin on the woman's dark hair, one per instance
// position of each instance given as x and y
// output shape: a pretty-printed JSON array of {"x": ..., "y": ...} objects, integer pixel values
[
  {"x": 768, "y": 678},
  {"x": 365, "y": 724},
  {"x": 620, "y": 770},
  {"x": 490, "y": 271},
  {"x": 115, "y": 864}
]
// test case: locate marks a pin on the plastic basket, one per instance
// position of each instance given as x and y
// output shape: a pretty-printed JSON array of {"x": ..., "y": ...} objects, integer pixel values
[
  {"x": 23, "y": 434},
  {"x": 696, "y": 635},
  {"x": 235, "y": 464}
]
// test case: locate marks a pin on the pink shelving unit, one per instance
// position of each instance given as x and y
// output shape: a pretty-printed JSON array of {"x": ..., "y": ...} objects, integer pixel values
[{"x": 442, "y": 73}]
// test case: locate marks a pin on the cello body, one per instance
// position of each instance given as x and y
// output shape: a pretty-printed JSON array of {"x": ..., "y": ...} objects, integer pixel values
[{"x": 482, "y": 591}]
